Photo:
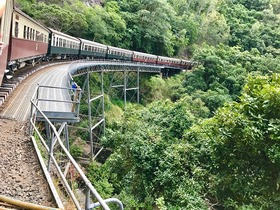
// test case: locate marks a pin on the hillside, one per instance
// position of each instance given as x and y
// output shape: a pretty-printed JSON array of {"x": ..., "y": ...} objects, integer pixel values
[{"x": 204, "y": 139}]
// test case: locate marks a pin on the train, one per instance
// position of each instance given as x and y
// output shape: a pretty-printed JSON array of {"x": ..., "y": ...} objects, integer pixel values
[{"x": 24, "y": 41}]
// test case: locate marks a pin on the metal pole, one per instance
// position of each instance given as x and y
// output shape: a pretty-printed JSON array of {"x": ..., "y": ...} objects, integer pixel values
[
  {"x": 66, "y": 137},
  {"x": 103, "y": 101},
  {"x": 50, "y": 139},
  {"x": 87, "y": 199},
  {"x": 89, "y": 115},
  {"x": 138, "y": 85},
  {"x": 124, "y": 88},
  {"x": 30, "y": 126}
]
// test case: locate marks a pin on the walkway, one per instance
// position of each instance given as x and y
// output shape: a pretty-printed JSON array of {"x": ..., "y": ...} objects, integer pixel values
[{"x": 18, "y": 105}]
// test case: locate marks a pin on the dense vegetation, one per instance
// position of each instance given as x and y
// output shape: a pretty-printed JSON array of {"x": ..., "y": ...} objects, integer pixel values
[{"x": 205, "y": 139}]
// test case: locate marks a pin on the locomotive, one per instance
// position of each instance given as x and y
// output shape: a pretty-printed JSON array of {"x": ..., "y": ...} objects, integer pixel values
[{"x": 25, "y": 41}]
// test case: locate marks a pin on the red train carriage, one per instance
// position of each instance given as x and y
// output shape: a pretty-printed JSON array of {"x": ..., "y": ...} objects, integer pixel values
[
  {"x": 186, "y": 64},
  {"x": 6, "y": 10},
  {"x": 29, "y": 41},
  {"x": 144, "y": 57},
  {"x": 169, "y": 61}
]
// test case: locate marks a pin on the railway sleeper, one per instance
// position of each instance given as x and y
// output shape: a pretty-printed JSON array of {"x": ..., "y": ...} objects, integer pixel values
[
  {"x": 6, "y": 89},
  {"x": 4, "y": 95}
]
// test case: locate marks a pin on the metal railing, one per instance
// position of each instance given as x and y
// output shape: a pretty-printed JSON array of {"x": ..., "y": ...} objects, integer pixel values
[{"x": 52, "y": 146}]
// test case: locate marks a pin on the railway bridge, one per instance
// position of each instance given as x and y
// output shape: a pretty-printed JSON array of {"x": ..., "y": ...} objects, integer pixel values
[{"x": 55, "y": 104}]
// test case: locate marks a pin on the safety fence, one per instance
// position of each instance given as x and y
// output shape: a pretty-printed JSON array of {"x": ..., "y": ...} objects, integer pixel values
[{"x": 65, "y": 176}]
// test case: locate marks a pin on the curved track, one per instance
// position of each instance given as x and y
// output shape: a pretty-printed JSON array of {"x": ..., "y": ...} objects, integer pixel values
[
  {"x": 20, "y": 174},
  {"x": 18, "y": 105}
]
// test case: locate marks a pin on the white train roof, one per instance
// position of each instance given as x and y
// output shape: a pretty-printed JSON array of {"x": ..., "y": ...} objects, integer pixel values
[
  {"x": 120, "y": 49},
  {"x": 168, "y": 58},
  {"x": 64, "y": 35},
  {"x": 93, "y": 43},
  {"x": 144, "y": 54},
  {"x": 29, "y": 18}
]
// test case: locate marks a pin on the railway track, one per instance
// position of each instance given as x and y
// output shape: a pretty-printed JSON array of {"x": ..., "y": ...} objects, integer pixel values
[
  {"x": 21, "y": 176},
  {"x": 17, "y": 102}
]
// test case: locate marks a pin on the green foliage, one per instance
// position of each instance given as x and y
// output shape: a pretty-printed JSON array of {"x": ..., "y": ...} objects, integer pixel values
[
  {"x": 76, "y": 151},
  {"x": 149, "y": 154},
  {"x": 166, "y": 155},
  {"x": 99, "y": 177},
  {"x": 221, "y": 72},
  {"x": 244, "y": 142}
]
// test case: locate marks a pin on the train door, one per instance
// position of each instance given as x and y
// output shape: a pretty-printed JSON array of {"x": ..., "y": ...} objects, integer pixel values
[{"x": 2, "y": 9}]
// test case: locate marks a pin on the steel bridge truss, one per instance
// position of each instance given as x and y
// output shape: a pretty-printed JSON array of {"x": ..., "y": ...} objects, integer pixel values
[
  {"x": 54, "y": 141},
  {"x": 128, "y": 89}
]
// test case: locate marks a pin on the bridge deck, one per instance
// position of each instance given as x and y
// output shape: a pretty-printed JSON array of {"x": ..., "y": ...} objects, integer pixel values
[{"x": 18, "y": 106}]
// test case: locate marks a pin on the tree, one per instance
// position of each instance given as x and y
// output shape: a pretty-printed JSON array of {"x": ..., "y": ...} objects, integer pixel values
[
  {"x": 243, "y": 140},
  {"x": 148, "y": 152},
  {"x": 214, "y": 29}
]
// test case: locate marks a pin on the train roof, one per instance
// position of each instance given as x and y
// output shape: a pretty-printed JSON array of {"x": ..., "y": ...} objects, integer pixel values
[
  {"x": 30, "y": 18},
  {"x": 145, "y": 54},
  {"x": 120, "y": 49},
  {"x": 63, "y": 34},
  {"x": 93, "y": 43},
  {"x": 168, "y": 58},
  {"x": 187, "y": 61}
]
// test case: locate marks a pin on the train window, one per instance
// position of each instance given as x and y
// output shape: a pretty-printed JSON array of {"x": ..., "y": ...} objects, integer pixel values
[
  {"x": 31, "y": 34},
  {"x": 53, "y": 40},
  {"x": 24, "y": 32},
  {"x": 28, "y": 33},
  {"x": 16, "y": 29},
  {"x": 64, "y": 43}
]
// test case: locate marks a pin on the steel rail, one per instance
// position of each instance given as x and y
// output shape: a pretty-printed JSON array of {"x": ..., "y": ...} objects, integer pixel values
[{"x": 83, "y": 176}]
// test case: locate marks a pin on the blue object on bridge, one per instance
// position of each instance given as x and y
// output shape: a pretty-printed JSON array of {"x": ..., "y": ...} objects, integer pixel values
[{"x": 74, "y": 85}]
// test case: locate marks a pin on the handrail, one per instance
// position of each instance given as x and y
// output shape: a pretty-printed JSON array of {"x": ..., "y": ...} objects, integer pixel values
[
  {"x": 79, "y": 170},
  {"x": 23, "y": 204}
]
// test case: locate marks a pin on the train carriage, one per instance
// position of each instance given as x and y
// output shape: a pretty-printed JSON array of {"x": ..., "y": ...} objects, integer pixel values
[
  {"x": 63, "y": 46},
  {"x": 119, "y": 53},
  {"x": 169, "y": 61},
  {"x": 186, "y": 64},
  {"x": 29, "y": 40},
  {"x": 144, "y": 57},
  {"x": 90, "y": 49},
  {"x": 6, "y": 11}
]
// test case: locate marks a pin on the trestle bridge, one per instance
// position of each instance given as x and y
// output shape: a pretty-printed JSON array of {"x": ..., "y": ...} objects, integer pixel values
[{"x": 55, "y": 106}]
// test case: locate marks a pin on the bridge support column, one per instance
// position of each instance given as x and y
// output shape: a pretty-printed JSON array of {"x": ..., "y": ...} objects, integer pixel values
[
  {"x": 89, "y": 114},
  {"x": 131, "y": 84},
  {"x": 124, "y": 86},
  {"x": 99, "y": 119}
]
